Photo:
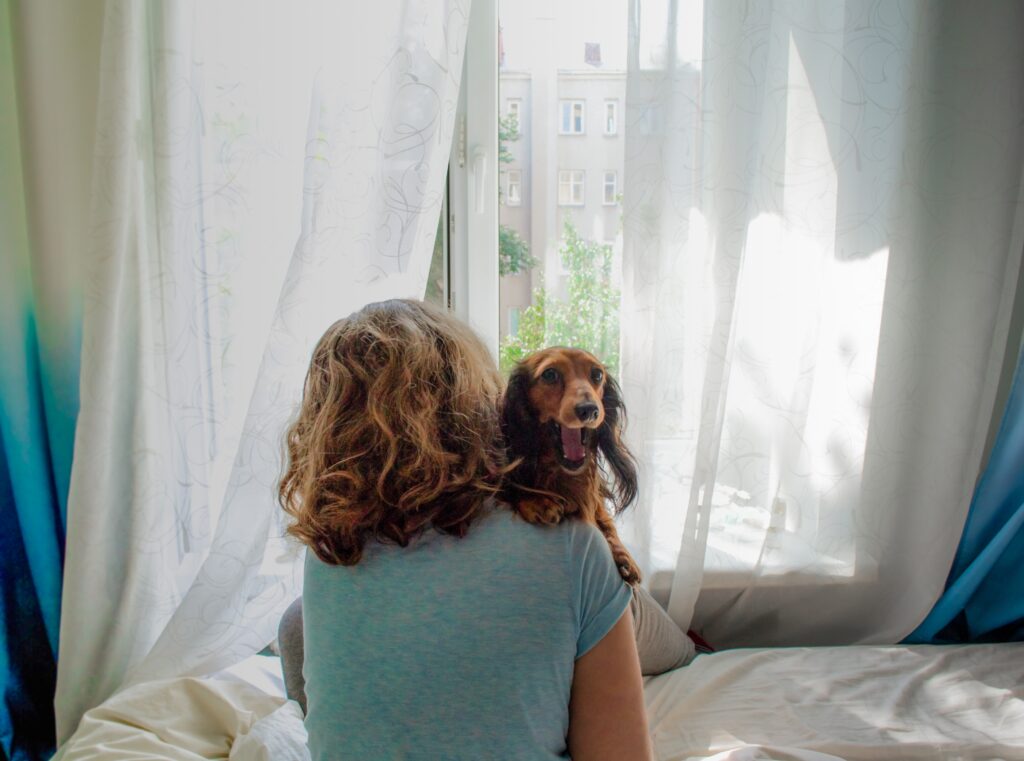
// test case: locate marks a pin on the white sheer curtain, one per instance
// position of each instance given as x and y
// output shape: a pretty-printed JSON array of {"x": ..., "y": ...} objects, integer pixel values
[
  {"x": 261, "y": 170},
  {"x": 823, "y": 225}
]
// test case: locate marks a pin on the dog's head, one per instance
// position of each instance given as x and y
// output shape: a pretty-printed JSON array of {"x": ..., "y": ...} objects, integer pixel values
[{"x": 561, "y": 408}]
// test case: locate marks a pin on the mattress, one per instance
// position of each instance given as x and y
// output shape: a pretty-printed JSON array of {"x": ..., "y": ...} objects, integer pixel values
[
  {"x": 798, "y": 704},
  {"x": 818, "y": 704}
]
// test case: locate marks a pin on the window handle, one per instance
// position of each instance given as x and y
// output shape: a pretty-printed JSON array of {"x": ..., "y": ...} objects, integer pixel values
[{"x": 479, "y": 177}]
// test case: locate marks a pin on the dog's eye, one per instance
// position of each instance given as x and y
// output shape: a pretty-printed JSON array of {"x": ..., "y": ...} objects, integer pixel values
[
  {"x": 596, "y": 375},
  {"x": 550, "y": 375}
]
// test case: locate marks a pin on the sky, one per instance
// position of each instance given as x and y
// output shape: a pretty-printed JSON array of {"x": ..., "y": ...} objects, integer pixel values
[{"x": 576, "y": 22}]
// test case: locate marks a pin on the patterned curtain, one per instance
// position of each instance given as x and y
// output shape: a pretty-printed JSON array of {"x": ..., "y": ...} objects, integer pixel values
[
  {"x": 261, "y": 171},
  {"x": 821, "y": 216}
]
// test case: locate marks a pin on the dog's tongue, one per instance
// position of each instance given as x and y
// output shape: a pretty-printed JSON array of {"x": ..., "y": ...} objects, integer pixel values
[{"x": 572, "y": 444}]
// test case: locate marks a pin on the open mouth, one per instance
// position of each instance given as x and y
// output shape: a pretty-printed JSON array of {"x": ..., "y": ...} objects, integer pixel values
[{"x": 572, "y": 446}]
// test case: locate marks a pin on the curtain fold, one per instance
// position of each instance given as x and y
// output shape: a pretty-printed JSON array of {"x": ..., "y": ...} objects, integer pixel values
[
  {"x": 984, "y": 597},
  {"x": 261, "y": 171},
  {"x": 819, "y": 205},
  {"x": 37, "y": 416}
]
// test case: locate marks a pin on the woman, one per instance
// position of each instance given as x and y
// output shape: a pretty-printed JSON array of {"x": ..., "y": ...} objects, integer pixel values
[{"x": 438, "y": 625}]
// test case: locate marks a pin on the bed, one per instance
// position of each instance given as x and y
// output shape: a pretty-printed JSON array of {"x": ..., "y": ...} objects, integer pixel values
[{"x": 796, "y": 704}]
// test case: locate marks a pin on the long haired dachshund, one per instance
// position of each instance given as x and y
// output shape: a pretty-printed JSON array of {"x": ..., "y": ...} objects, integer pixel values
[{"x": 560, "y": 412}]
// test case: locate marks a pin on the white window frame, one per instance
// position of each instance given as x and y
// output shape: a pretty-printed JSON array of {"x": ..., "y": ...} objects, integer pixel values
[
  {"x": 614, "y": 186},
  {"x": 571, "y": 104},
  {"x": 514, "y": 178},
  {"x": 611, "y": 107},
  {"x": 571, "y": 179},
  {"x": 473, "y": 182}
]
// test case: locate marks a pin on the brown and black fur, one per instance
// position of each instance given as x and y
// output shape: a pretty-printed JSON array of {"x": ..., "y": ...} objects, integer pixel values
[{"x": 542, "y": 486}]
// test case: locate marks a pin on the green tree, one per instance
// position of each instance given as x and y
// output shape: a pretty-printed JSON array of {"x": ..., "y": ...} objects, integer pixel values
[
  {"x": 508, "y": 132},
  {"x": 513, "y": 252},
  {"x": 588, "y": 319}
]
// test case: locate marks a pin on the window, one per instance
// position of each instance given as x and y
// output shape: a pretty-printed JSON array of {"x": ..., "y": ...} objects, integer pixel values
[
  {"x": 438, "y": 286},
  {"x": 570, "y": 187},
  {"x": 611, "y": 188},
  {"x": 551, "y": 236},
  {"x": 512, "y": 111},
  {"x": 514, "y": 187},
  {"x": 611, "y": 117},
  {"x": 573, "y": 117},
  {"x": 513, "y": 320}
]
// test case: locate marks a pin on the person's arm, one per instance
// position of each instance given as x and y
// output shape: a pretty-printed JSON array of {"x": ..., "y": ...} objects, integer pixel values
[{"x": 607, "y": 720}]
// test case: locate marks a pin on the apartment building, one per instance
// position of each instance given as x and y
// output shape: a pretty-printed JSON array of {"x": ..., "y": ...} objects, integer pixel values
[{"x": 566, "y": 164}]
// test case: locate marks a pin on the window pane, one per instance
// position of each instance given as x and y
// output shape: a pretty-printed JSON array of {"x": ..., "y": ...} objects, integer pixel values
[
  {"x": 560, "y": 247},
  {"x": 437, "y": 280},
  {"x": 513, "y": 111},
  {"x": 513, "y": 195},
  {"x": 610, "y": 189}
]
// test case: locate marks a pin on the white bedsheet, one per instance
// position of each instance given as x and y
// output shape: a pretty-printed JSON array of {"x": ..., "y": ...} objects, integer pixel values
[
  {"x": 811, "y": 704},
  {"x": 800, "y": 704}
]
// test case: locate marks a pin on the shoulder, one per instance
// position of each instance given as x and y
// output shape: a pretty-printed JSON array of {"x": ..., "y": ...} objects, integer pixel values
[
  {"x": 502, "y": 519},
  {"x": 576, "y": 546},
  {"x": 505, "y": 525}
]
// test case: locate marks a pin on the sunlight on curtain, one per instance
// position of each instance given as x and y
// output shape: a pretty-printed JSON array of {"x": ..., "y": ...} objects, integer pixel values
[
  {"x": 818, "y": 209},
  {"x": 261, "y": 171}
]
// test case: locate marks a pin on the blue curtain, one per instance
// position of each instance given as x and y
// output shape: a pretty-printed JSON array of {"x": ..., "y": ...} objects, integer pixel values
[
  {"x": 984, "y": 597},
  {"x": 32, "y": 524},
  {"x": 38, "y": 405},
  {"x": 36, "y": 431}
]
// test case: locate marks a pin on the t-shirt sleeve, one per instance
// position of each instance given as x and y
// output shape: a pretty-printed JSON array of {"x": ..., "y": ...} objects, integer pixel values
[{"x": 601, "y": 595}]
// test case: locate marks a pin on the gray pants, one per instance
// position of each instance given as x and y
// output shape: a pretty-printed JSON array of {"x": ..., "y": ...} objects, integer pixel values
[{"x": 661, "y": 644}]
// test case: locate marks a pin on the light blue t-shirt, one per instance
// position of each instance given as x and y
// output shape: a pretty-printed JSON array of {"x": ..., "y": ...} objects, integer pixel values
[{"x": 454, "y": 649}]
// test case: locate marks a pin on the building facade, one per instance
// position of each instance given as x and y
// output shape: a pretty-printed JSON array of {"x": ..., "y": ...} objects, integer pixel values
[{"x": 566, "y": 166}]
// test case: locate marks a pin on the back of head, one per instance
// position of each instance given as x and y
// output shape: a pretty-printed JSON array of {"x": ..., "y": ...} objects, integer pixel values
[{"x": 398, "y": 431}]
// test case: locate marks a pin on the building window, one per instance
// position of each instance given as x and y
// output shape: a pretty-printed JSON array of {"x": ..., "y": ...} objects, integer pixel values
[
  {"x": 512, "y": 111},
  {"x": 611, "y": 188},
  {"x": 514, "y": 187},
  {"x": 513, "y": 320},
  {"x": 611, "y": 117},
  {"x": 570, "y": 187},
  {"x": 573, "y": 118}
]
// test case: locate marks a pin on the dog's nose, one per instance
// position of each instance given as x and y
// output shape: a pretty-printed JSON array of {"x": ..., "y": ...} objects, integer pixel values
[{"x": 586, "y": 411}]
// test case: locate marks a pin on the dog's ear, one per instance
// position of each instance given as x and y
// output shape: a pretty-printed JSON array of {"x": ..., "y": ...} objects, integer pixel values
[
  {"x": 519, "y": 427},
  {"x": 609, "y": 440}
]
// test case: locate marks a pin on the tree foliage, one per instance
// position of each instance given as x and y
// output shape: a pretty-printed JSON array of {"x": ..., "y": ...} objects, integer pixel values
[
  {"x": 508, "y": 132},
  {"x": 587, "y": 319},
  {"x": 513, "y": 253}
]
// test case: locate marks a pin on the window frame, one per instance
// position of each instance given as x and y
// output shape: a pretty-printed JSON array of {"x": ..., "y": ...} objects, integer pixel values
[
  {"x": 615, "y": 188},
  {"x": 518, "y": 173},
  {"x": 570, "y": 182},
  {"x": 472, "y": 197},
  {"x": 473, "y": 219},
  {"x": 518, "y": 110},
  {"x": 613, "y": 104},
  {"x": 572, "y": 103}
]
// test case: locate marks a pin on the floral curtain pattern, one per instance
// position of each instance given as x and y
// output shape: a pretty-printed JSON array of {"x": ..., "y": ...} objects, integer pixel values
[
  {"x": 261, "y": 171},
  {"x": 819, "y": 211}
]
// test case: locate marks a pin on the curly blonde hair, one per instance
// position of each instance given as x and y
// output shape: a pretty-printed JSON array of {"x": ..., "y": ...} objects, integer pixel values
[{"x": 398, "y": 432}]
